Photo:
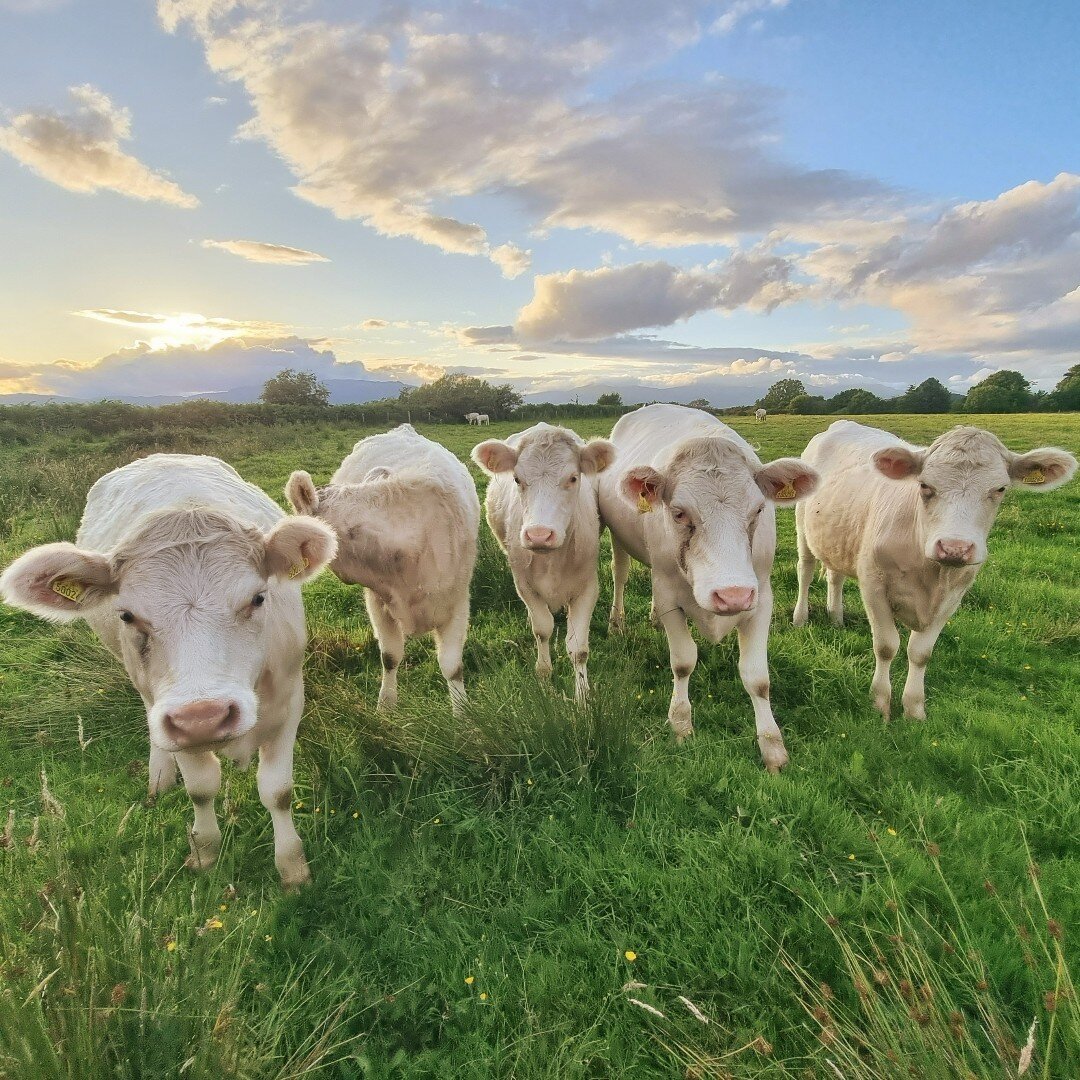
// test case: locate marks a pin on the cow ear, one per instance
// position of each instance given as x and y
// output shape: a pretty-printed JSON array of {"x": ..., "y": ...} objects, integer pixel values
[
  {"x": 380, "y": 472},
  {"x": 898, "y": 462},
  {"x": 302, "y": 494},
  {"x": 596, "y": 455},
  {"x": 1045, "y": 468},
  {"x": 494, "y": 456},
  {"x": 644, "y": 486},
  {"x": 298, "y": 548},
  {"x": 58, "y": 581},
  {"x": 787, "y": 480}
]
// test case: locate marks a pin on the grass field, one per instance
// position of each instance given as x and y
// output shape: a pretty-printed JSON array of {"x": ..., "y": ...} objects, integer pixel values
[{"x": 543, "y": 891}]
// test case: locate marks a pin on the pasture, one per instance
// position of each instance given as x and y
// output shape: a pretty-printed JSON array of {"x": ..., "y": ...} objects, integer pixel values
[{"x": 542, "y": 890}]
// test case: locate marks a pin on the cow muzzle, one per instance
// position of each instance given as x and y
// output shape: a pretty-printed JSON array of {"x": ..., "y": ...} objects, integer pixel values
[
  {"x": 955, "y": 552},
  {"x": 540, "y": 538},
  {"x": 733, "y": 600},
  {"x": 202, "y": 723}
]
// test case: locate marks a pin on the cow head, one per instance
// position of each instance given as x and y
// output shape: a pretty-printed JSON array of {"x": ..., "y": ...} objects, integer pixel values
[
  {"x": 709, "y": 501},
  {"x": 547, "y": 465},
  {"x": 192, "y": 592},
  {"x": 962, "y": 477}
]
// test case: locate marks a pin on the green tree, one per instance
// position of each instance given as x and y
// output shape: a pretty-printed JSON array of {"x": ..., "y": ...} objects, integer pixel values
[
  {"x": 290, "y": 387},
  {"x": 612, "y": 400},
  {"x": 1065, "y": 397},
  {"x": 1004, "y": 391},
  {"x": 807, "y": 405},
  {"x": 781, "y": 394},
  {"x": 930, "y": 396},
  {"x": 854, "y": 401},
  {"x": 452, "y": 396},
  {"x": 699, "y": 403}
]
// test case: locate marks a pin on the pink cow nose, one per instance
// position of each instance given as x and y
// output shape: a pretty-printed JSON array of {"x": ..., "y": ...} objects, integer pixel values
[
  {"x": 201, "y": 722},
  {"x": 540, "y": 536},
  {"x": 957, "y": 552},
  {"x": 730, "y": 601}
]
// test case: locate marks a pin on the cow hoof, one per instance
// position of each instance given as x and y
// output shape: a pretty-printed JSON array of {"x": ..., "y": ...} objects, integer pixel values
[
  {"x": 884, "y": 706},
  {"x": 915, "y": 710},
  {"x": 801, "y": 617},
  {"x": 682, "y": 735},
  {"x": 295, "y": 877},
  {"x": 201, "y": 861},
  {"x": 543, "y": 673},
  {"x": 616, "y": 624},
  {"x": 837, "y": 621},
  {"x": 775, "y": 757}
]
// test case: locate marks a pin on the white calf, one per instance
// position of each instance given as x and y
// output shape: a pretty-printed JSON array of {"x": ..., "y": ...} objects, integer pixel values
[
  {"x": 541, "y": 506},
  {"x": 760, "y": 414},
  {"x": 406, "y": 515},
  {"x": 191, "y": 577},
  {"x": 689, "y": 497},
  {"x": 911, "y": 523}
]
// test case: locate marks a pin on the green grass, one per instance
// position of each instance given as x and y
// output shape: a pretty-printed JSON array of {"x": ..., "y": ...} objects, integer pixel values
[{"x": 899, "y": 902}]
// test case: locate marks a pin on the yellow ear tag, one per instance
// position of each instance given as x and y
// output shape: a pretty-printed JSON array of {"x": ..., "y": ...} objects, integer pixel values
[
  {"x": 69, "y": 590},
  {"x": 786, "y": 492},
  {"x": 298, "y": 568},
  {"x": 1035, "y": 477},
  {"x": 643, "y": 505}
]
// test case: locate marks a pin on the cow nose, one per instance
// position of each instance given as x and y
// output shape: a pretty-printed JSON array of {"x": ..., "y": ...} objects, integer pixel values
[
  {"x": 729, "y": 601},
  {"x": 200, "y": 722},
  {"x": 540, "y": 536},
  {"x": 954, "y": 551}
]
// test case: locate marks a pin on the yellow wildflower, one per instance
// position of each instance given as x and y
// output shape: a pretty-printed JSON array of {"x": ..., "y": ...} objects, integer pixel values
[
  {"x": 630, "y": 955},
  {"x": 470, "y": 979}
]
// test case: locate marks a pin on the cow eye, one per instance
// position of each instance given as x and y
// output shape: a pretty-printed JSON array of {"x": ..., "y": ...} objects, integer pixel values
[
  {"x": 126, "y": 616},
  {"x": 573, "y": 480},
  {"x": 1001, "y": 490},
  {"x": 258, "y": 599},
  {"x": 680, "y": 516},
  {"x": 517, "y": 479},
  {"x": 927, "y": 490}
]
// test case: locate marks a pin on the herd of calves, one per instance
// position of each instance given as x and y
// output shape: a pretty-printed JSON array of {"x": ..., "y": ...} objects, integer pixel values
[{"x": 191, "y": 575}]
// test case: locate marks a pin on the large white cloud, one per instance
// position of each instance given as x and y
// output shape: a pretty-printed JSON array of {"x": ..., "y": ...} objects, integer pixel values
[
  {"x": 81, "y": 150},
  {"x": 584, "y": 304}
]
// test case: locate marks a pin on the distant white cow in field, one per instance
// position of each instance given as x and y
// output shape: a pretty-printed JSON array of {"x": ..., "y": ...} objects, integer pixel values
[
  {"x": 541, "y": 506},
  {"x": 191, "y": 577},
  {"x": 406, "y": 515},
  {"x": 760, "y": 414},
  {"x": 689, "y": 497},
  {"x": 482, "y": 418},
  {"x": 911, "y": 524},
  {"x": 472, "y": 418}
]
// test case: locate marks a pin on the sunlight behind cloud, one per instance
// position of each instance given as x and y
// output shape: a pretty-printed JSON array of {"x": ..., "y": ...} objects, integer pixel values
[{"x": 184, "y": 328}]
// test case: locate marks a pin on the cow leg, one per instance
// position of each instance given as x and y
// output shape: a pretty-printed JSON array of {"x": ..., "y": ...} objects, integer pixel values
[
  {"x": 543, "y": 625},
  {"x": 201, "y": 771},
  {"x": 683, "y": 652},
  {"x": 578, "y": 616},
  {"x": 450, "y": 641},
  {"x": 886, "y": 645},
  {"x": 391, "y": 639},
  {"x": 276, "y": 794},
  {"x": 162, "y": 770},
  {"x": 919, "y": 650},
  {"x": 754, "y": 672},
  {"x": 807, "y": 567},
  {"x": 836, "y": 596},
  {"x": 620, "y": 571}
]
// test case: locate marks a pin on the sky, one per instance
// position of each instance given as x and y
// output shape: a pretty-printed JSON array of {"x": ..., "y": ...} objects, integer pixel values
[{"x": 685, "y": 195}]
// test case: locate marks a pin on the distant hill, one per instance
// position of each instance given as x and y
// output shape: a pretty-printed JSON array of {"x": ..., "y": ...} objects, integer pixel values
[{"x": 342, "y": 392}]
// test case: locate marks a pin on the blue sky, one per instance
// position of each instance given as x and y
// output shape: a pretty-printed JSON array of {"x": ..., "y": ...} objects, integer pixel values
[{"x": 683, "y": 194}]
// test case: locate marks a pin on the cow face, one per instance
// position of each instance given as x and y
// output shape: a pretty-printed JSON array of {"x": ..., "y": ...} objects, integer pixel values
[
  {"x": 547, "y": 466},
  {"x": 709, "y": 501},
  {"x": 191, "y": 593},
  {"x": 962, "y": 478}
]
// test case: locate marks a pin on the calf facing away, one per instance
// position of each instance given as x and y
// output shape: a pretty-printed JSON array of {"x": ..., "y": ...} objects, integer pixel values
[
  {"x": 542, "y": 508},
  {"x": 690, "y": 498},
  {"x": 911, "y": 524},
  {"x": 191, "y": 577},
  {"x": 406, "y": 516}
]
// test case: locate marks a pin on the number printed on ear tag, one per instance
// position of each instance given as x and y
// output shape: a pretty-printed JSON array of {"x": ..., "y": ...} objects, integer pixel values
[
  {"x": 69, "y": 590},
  {"x": 787, "y": 491},
  {"x": 298, "y": 568},
  {"x": 1035, "y": 477},
  {"x": 643, "y": 505}
]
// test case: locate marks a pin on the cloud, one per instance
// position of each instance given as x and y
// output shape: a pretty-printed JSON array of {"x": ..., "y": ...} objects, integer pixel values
[
  {"x": 260, "y": 252},
  {"x": 81, "y": 150},
  {"x": 374, "y": 324},
  {"x": 511, "y": 260},
  {"x": 399, "y": 114},
  {"x": 584, "y": 304},
  {"x": 485, "y": 335},
  {"x": 184, "y": 328}
]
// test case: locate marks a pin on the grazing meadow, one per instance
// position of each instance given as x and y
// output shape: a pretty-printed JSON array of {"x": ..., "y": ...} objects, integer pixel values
[{"x": 545, "y": 890}]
